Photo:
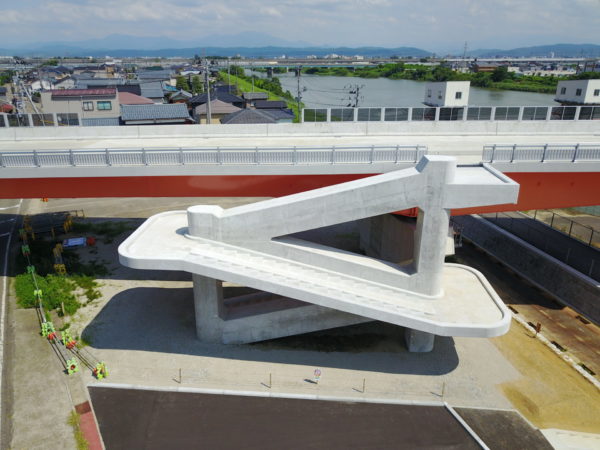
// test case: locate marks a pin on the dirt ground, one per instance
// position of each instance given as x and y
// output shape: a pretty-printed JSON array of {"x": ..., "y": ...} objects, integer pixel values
[{"x": 550, "y": 393}]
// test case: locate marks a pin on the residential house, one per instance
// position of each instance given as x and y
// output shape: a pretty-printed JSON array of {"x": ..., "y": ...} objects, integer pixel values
[
  {"x": 156, "y": 114},
  {"x": 270, "y": 104},
  {"x": 218, "y": 110},
  {"x": 88, "y": 103},
  {"x": 180, "y": 96},
  {"x": 248, "y": 116},
  {"x": 251, "y": 97},
  {"x": 484, "y": 67},
  {"x": 127, "y": 98},
  {"x": 154, "y": 75},
  {"x": 218, "y": 95},
  {"x": 153, "y": 90}
]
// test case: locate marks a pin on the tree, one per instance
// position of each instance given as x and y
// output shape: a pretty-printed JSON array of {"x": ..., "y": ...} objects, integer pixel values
[
  {"x": 182, "y": 83},
  {"x": 500, "y": 74},
  {"x": 197, "y": 86}
]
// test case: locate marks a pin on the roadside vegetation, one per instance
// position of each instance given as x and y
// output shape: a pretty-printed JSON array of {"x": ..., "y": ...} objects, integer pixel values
[
  {"x": 500, "y": 78},
  {"x": 270, "y": 86},
  {"x": 75, "y": 421},
  {"x": 64, "y": 294}
]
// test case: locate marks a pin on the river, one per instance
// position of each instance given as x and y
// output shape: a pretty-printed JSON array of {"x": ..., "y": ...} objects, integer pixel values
[{"x": 329, "y": 92}]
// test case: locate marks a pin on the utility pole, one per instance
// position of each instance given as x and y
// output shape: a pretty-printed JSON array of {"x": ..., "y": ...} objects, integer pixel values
[
  {"x": 464, "y": 58},
  {"x": 228, "y": 77},
  {"x": 207, "y": 83},
  {"x": 299, "y": 98}
]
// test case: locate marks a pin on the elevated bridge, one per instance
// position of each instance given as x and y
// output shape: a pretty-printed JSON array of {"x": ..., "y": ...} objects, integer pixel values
[{"x": 557, "y": 164}]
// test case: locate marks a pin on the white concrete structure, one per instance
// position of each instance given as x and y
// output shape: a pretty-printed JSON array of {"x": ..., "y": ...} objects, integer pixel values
[
  {"x": 249, "y": 245},
  {"x": 578, "y": 92},
  {"x": 447, "y": 93}
]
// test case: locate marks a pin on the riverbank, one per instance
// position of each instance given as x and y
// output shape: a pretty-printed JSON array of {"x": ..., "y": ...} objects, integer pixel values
[
  {"x": 499, "y": 79},
  {"x": 261, "y": 85}
]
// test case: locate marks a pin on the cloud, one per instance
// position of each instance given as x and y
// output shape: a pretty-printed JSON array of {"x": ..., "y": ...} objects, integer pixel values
[{"x": 431, "y": 24}]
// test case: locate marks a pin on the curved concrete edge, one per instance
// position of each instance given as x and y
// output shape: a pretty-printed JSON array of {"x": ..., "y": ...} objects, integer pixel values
[
  {"x": 126, "y": 257},
  {"x": 266, "y": 394}
]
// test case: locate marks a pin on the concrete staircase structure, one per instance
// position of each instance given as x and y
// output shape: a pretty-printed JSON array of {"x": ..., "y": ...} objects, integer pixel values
[{"x": 249, "y": 245}]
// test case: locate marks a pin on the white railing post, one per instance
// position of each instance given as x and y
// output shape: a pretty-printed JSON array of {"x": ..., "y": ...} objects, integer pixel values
[
  {"x": 512, "y": 156},
  {"x": 398, "y": 153},
  {"x": 382, "y": 115},
  {"x": 55, "y": 119},
  {"x": 575, "y": 152},
  {"x": 333, "y": 154},
  {"x": 181, "y": 160},
  {"x": 577, "y": 112},
  {"x": 302, "y": 116},
  {"x": 29, "y": 120},
  {"x": 36, "y": 161},
  {"x": 493, "y": 153},
  {"x": 355, "y": 114},
  {"x": 372, "y": 153},
  {"x": 107, "y": 156},
  {"x": 256, "y": 161},
  {"x": 295, "y": 157},
  {"x": 71, "y": 159},
  {"x": 219, "y": 160},
  {"x": 549, "y": 113},
  {"x": 437, "y": 114},
  {"x": 328, "y": 116}
]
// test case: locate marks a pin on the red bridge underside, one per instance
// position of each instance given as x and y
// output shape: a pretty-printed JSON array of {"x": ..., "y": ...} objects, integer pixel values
[{"x": 539, "y": 190}]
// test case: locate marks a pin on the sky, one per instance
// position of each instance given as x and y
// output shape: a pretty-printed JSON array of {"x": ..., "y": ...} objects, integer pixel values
[{"x": 435, "y": 25}]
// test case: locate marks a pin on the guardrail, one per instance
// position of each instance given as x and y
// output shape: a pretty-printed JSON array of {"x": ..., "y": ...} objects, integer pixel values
[
  {"x": 460, "y": 113},
  {"x": 541, "y": 153},
  {"x": 213, "y": 156}
]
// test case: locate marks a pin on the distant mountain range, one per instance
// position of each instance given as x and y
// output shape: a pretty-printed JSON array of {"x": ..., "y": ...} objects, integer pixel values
[
  {"x": 254, "y": 44},
  {"x": 559, "y": 50}
]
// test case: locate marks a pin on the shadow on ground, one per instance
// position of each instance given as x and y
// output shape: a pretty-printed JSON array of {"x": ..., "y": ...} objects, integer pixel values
[{"x": 162, "y": 320}]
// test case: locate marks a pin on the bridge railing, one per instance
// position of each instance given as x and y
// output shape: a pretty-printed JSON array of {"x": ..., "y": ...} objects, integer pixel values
[
  {"x": 213, "y": 156},
  {"x": 454, "y": 113},
  {"x": 541, "y": 153}
]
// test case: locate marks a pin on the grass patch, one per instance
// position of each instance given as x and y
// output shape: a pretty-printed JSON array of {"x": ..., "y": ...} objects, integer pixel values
[
  {"x": 75, "y": 421},
  {"x": 109, "y": 229}
]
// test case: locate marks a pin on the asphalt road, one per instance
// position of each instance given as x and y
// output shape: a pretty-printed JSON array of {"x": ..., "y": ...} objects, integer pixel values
[{"x": 131, "y": 418}]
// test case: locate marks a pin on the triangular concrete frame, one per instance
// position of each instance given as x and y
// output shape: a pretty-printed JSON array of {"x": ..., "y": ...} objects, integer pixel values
[{"x": 244, "y": 245}]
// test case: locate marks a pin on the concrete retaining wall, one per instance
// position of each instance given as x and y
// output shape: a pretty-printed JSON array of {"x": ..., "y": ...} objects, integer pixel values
[
  {"x": 566, "y": 284},
  {"x": 308, "y": 129}
]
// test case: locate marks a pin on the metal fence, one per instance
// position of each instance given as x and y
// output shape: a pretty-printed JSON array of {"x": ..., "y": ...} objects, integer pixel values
[
  {"x": 213, "y": 156},
  {"x": 578, "y": 255},
  {"x": 441, "y": 114},
  {"x": 570, "y": 227},
  {"x": 541, "y": 153},
  {"x": 39, "y": 120}
]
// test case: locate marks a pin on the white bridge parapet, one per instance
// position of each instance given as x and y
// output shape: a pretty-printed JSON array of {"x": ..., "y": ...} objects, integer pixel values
[{"x": 248, "y": 245}]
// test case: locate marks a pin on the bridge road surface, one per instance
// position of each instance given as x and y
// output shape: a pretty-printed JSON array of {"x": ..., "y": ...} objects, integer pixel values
[{"x": 467, "y": 148}]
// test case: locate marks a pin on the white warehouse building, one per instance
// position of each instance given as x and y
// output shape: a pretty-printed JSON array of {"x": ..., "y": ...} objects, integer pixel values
[
  {"x": 447, "y": 93},
  {"x": 578, "y": 92}
]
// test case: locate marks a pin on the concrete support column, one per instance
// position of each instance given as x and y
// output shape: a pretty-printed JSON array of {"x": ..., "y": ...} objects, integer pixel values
[
  {"x": 418, "y": 341},
  {"x": 388, "y": 237},
  {"x": 431, "y": 235},
  {"x": 209, "y": 309},
  {"x": 433, "y": 222}
]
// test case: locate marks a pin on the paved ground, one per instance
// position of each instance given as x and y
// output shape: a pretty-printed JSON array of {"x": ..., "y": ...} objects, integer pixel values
[
  {"x": 559, "y": 324},
  {"x": 503, "y": 429},
  {"x": 158, "y": 420},
  {"x": 143, "y": 328}
]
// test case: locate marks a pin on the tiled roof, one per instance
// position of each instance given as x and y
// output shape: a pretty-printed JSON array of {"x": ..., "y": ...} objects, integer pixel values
[
  {"x": 127, "y": 98},
  {"x": 83, "y": 92},
  {"x": 270, "y": 104},
  {"x": 152, "y": 89},
  {"x": 217, "y": 107},
  {"x": 223, "y": 96},
  {"x": 279, "y": 114},
  {"x": 247, "y": 116},
  {"x": 154, "y": 112},
  {"x": 255, "y": 95},
  {"x": 101, "y": 122},
  {"x": 154, "y": 75}
]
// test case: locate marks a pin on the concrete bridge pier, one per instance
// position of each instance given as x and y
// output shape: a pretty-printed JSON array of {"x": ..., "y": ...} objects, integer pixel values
[{"x": 209, "y": 308}]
